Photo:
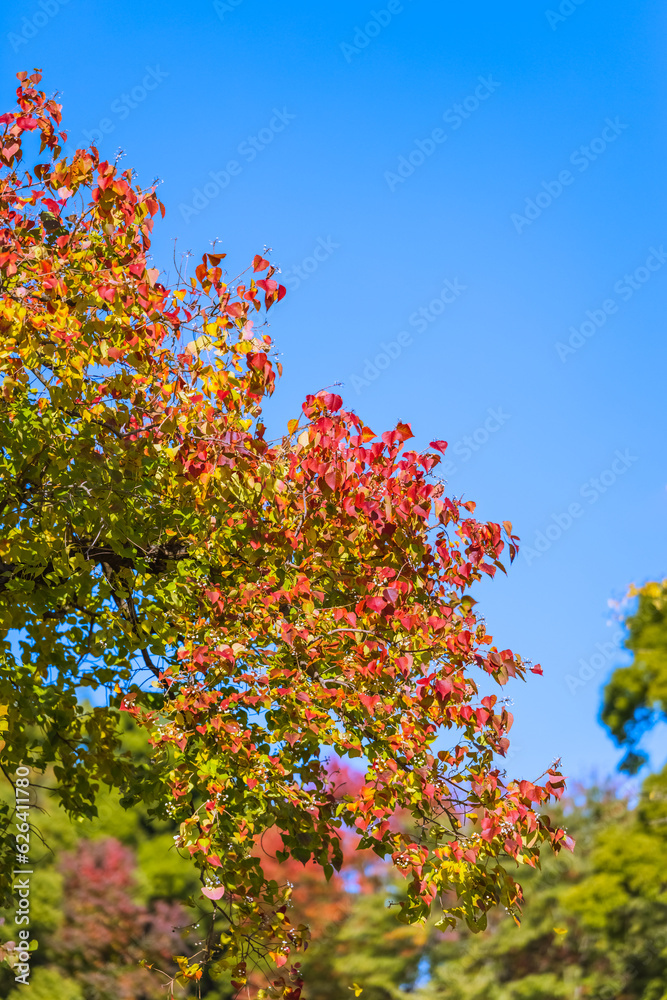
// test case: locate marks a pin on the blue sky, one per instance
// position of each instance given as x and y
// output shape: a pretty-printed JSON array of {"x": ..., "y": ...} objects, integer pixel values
[{"x": 468, "y": 207}]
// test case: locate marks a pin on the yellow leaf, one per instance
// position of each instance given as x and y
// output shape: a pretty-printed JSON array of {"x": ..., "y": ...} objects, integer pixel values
[
  {"x": 202, "y": 343},
  {"x": 560, "y": 930}
]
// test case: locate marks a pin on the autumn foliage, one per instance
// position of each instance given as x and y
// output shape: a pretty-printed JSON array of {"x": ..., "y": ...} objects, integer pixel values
[
  {"x": 259, "y": 606},
  {"x": 105, "y": 934}
]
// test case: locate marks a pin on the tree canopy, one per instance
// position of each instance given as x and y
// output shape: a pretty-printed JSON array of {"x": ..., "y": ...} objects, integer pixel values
[{"x": 258, "y": 606}]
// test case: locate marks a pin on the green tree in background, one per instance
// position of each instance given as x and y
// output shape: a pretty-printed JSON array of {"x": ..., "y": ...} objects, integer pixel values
[
  {"x": 636, "y": 697},
  {"x": 102, "y": 899}
]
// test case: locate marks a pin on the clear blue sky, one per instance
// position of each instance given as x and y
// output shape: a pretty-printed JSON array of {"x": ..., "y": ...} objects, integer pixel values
[{"x": 381, "y": 152}]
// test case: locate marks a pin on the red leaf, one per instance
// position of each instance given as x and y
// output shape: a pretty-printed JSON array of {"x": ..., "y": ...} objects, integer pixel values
[
  {"x": 440, "y": 446},
  {"x": 404, "y": 664},
  {"x": 52, "y": 205},
  {"x": 444, "y": 688},
  {"x": 217, "y": 893}
]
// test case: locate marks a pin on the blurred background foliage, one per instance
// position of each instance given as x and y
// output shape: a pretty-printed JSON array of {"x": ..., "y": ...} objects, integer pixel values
[{"x": 105, "y": 892}]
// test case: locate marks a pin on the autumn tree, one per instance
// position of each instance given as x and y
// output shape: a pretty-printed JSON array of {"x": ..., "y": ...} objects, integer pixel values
[
  {"x": 257, "y": 605},
  {"x": 594, "y": 923},
  {"x": 105, "y": 934}
]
